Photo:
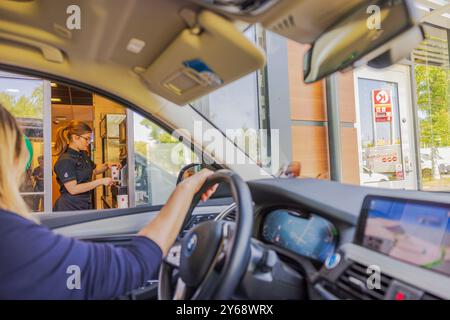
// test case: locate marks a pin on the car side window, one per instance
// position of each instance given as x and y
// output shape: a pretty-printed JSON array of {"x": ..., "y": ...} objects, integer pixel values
[
  {"x": 158, "y": 158},
  {"x": 144, "y": 159}
]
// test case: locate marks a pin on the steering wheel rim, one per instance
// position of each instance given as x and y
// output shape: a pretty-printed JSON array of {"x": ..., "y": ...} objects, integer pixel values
[{"x": 232, "y": 251}]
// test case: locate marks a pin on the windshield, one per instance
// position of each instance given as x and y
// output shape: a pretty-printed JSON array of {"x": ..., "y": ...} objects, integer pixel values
[
  {"x": 245, "y": 122},
  {"x": 394, "y": 123}
]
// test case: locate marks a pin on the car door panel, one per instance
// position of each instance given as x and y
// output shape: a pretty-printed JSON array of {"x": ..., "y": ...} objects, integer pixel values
[{"x": 115, "y": 224}]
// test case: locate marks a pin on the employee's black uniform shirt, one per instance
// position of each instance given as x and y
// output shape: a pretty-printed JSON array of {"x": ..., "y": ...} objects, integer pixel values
[{"x": 73, "y": 165}]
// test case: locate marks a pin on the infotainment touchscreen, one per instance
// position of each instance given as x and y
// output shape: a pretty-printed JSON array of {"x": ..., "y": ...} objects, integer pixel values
[{"x": 412, "y": 231}]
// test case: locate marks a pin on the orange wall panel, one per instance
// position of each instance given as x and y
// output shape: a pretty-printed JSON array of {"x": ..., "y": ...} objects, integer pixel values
[
  {"x": 346, "y": 97},
  {"x": 307, "y": 100},
  {"x": 309, "y": 146},
  {"x": 349, "y": 155}
]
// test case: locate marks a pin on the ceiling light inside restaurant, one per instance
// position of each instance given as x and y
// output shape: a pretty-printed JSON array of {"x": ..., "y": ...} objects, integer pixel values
[{"x": 135, "y": 45}]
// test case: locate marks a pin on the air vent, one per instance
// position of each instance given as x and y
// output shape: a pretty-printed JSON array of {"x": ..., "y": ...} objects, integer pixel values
[
  {"x": 284, "y": 24},
  {"x": 240, "y": 7},
  {"x": 353, "y": 285},
  {"x": 231, "y": 216}
]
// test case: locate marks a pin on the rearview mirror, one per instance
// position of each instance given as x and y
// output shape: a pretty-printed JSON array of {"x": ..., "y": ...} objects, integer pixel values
[{"x": 379, "y": 33}]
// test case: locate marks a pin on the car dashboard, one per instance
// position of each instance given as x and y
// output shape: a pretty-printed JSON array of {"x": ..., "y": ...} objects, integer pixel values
[
  {"x": 344, "y": 241},
  {"x": 364, "y": 243}
]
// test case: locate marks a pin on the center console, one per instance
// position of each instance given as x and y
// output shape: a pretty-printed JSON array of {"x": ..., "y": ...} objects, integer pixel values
[{"x": 401, "y": 251}]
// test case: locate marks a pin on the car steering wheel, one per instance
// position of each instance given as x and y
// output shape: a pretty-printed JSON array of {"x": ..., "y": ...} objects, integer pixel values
[{"x": 212, "y": 257}]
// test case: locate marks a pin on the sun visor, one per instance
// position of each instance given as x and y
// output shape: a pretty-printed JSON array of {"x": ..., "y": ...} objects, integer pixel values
[{"x": 202, "y": 59}]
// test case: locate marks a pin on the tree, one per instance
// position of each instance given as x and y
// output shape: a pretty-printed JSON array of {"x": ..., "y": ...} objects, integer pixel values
[
  {"x": 433, "y": 88},
  {"x": 166, "y": 152},
  {"x": 158, "y": 134},
  {"x": 433, "y": 100},
  {"x": 141, "y": 148},
  {"x": 24, "y": 106}
]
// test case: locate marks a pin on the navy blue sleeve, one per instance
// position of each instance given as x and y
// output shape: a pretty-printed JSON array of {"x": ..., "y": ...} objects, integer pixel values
[
  {"x": 36, "y": 263},
  {"x": 65, "y": 170}
]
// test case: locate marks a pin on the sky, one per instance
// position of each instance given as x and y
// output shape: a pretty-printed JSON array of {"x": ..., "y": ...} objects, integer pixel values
[{"x": 141, "y": 133}]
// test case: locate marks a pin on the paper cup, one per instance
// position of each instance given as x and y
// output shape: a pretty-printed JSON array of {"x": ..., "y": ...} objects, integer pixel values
[
  {"x": 122, "y": 201},
  {"x": 115, "y": 173}
]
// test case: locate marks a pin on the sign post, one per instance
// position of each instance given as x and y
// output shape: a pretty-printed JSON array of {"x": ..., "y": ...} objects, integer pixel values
[{"x": 385, "y": 156}]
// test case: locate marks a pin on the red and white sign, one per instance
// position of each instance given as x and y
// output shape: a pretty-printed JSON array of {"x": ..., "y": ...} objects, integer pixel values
[
  {"x": 389, "y": 158},
  {"x": 384, "y": 158},
  {"x": 382, "y": 104}
]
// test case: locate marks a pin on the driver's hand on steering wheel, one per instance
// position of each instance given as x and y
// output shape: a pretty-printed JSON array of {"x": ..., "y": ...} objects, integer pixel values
[
  {"x": 165, "y": 227},
  {"x": 196, "y": 181}
]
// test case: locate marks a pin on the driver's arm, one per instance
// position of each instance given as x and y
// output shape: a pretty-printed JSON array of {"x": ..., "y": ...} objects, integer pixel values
[{"x": 37, "y": 263}]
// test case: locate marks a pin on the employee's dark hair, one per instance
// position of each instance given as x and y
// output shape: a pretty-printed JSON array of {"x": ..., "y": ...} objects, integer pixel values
[{"x": 65, "y": 134}]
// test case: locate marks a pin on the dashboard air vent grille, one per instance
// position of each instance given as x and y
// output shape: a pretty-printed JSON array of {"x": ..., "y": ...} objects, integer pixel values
[
  {"x": 284, "y": 24},
  {"x": 231, "y": 216},
  {"x": 353, "y": 282}
]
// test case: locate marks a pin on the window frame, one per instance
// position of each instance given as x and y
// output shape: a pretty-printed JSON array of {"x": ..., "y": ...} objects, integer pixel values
[
  {"x": 46, "y": 138},
  {"x": 131, "y": 107}
]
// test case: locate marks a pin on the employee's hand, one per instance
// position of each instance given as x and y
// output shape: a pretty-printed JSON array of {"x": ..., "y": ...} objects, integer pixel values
[
  {"x": 105, "y": 166},
  {"x": 196, "y": 181},
  {"x": 109, "y": 165},
  {"x": 107, "y": 181}
]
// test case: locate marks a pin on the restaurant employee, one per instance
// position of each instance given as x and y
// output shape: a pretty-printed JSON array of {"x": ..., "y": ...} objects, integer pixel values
[{"x": 75, "y": 170}]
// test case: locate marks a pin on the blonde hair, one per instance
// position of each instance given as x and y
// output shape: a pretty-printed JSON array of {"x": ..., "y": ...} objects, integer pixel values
[
  {"x": 13, "y": 160},
  {"x": 64, "y": 135}
]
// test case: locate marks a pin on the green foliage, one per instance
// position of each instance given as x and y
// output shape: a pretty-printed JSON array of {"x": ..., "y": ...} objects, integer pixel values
[
  {"x": 162, "y": 150},
  {"x": 141, "y": 148},
  {"x": 23, "y": 106},
  {"x": 158, "y": 134},
  {"x": 433, "y": 90}
]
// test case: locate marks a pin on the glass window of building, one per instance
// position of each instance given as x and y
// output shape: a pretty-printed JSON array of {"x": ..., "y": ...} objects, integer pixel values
[
  {"x": 24, "y": 98},
  {"x": 432, "y": 80},
  {"x": 380, "y": 131}
]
